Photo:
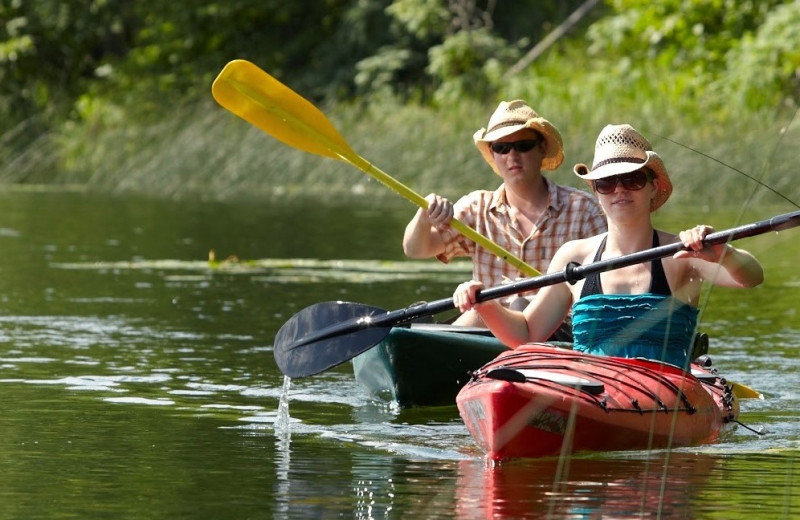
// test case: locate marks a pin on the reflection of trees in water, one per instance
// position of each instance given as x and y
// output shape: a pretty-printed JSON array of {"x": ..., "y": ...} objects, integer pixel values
[{"x": 667, "y": 484}]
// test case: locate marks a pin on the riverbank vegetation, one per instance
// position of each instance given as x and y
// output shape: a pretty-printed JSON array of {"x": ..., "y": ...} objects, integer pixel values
[{"x": 116, "y": 95}]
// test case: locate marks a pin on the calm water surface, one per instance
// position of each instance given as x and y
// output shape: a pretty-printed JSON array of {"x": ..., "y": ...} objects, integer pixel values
[{"x": 138, "y": 378}]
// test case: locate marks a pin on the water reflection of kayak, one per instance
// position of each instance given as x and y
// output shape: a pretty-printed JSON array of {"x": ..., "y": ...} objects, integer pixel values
[
  {"x": 667, "y": 484},
  {"x": 542, "y": 400}
]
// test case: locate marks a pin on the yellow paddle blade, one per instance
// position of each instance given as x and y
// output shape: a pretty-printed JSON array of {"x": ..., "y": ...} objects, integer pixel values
[
  {"x": 258, "y": 98},
  {"x": 744, "y": 392}
]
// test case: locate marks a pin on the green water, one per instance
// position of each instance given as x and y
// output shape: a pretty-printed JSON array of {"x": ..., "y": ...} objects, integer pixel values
[{"x": 138, "y": 379}]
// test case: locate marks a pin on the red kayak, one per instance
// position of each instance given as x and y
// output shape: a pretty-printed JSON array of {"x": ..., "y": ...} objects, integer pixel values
[{"x": 540, "y": 400}]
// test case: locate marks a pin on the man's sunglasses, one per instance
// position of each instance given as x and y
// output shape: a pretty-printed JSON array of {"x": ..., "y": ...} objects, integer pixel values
[
  {"x": 633, "y": 181},
  {"x": 523, "y": 146}
]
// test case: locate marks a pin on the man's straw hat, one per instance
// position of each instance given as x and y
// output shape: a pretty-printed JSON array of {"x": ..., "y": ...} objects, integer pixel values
[{"x": 512, "y": 116}]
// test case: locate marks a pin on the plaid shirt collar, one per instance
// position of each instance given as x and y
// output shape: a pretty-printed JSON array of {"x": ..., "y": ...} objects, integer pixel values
[{"x": 500, "y": 203}]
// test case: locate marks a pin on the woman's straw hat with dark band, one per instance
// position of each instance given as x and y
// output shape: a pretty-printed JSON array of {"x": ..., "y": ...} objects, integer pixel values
[
  {"x": 512, "y": 116},
  {"x": 621, "y": 149}
]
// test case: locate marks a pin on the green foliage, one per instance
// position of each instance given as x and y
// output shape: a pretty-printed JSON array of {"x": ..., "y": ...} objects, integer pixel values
[
  {"x": 692, "y": 38},
  {"x": 143, "y": 57},
  {"x": 764, "y": 71},
  {"x": 326, "y": 68},
  {"x": 177, "y": 51},
  {"x": 382, "y": 72},
  {"x": 469, "y": 64},
  {"x": 109, "y": 93},
  {"x": 426, "y": 20},
  {"x": 147, "y": 55},
  {"x": 397, "y": 66},
  {"x": 49, "y": 51}
]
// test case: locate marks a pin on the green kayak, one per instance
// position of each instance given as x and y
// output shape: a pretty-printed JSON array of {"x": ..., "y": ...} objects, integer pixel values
[{"x": 425, "y": 364}]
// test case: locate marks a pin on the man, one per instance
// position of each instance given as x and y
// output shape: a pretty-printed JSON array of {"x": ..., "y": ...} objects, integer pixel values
[{"x": 528, "y": 215}]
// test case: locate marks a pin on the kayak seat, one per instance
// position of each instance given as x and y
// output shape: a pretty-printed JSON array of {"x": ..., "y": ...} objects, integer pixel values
[{"x": 699, "y": 346}]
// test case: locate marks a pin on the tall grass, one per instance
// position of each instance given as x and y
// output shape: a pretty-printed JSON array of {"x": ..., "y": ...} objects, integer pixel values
[{"x": 202, "y": 151}]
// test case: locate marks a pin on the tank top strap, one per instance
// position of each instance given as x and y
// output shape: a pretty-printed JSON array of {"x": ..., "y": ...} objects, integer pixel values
[
  {"x": 591, "y": 285},
  {"x": 658, "y": 281}
]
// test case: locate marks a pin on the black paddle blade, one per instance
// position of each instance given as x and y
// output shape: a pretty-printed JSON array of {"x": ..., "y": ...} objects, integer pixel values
[{"x": 324, "y": 335}]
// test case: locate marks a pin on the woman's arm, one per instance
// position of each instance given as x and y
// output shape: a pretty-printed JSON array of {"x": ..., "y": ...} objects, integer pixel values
[
  {"x": 537, "y": 322},
  {"x": 722, "y": 264},
  {"x": 507, "y": 325}
]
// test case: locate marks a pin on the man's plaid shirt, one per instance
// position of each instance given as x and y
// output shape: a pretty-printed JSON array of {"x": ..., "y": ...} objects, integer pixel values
[{"x": 571, "y": 214}]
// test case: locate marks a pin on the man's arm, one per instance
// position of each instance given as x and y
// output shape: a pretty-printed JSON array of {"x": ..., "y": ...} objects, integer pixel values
[{"x": 421, "y": 238}]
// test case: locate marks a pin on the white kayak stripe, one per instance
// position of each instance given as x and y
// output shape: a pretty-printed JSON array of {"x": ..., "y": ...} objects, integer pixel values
[{"x": 564, "y": 379}]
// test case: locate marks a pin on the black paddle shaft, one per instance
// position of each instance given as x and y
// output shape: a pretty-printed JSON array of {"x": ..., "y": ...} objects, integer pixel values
[
  {"x": 301, "y": 333},
  {"x": 574, "y": 272}
]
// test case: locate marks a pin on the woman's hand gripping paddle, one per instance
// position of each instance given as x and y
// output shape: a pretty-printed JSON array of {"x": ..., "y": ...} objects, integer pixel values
[{"x": 265, "y": 102}]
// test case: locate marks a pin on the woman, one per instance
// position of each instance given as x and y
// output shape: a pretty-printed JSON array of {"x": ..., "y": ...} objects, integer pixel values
[{"x": 644, "y": 310}]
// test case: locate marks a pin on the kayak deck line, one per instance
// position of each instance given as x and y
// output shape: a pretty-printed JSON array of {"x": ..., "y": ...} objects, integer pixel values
[
  {"x": 643, "y": 368},
  {"x": 596, "y": 383}
]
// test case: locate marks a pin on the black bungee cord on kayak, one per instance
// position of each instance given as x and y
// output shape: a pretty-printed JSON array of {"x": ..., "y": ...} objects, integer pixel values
[{"x": 758, "y": 431}]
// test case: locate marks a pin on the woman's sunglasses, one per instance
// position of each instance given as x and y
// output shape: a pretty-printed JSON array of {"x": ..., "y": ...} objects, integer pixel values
[
  {"x": 633, "y": 181},
  {"x": 523, "y": 146}
]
